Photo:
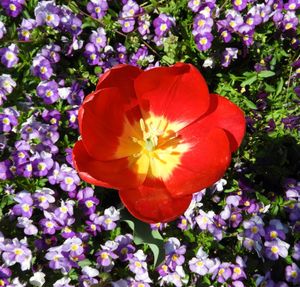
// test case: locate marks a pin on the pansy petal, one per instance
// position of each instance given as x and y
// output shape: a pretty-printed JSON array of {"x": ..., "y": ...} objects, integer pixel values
[
  {"x": 203, "y": 164},
  {"x": 121, "y": 76},
  {"x": 224, "y": 114},
  {"x": 119, "y": 173},
  {"x": 152, "y": 203},
  {"x": 107, "y": 125},
  {"x": 178, "y": 93}
]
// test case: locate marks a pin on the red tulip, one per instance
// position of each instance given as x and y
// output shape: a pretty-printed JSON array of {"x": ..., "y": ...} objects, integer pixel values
[{"x": 157, "y": 136}]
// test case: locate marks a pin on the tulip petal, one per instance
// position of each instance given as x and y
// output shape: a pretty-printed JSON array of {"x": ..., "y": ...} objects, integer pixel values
[
  {"x": 107, "y": 125},
  {"x": 224, "y": 114},
  {"x": 120, "y": 76},
  {"x": 152, "y": 203},
  {"x": 166, "y": 91},
  {"x": 203, "y": 164},
  {"x": 119, "y": 173}
]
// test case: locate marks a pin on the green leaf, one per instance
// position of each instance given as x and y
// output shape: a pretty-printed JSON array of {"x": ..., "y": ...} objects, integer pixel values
[
  {"x": 250, "y": 104},
  {"x": 249, "y": 81},
  {"x": 279, "y": 86},
  {"x": 142, "y": 234},
  {"x": 266, "y": 74},
  {"x": 269, "y": 88}
]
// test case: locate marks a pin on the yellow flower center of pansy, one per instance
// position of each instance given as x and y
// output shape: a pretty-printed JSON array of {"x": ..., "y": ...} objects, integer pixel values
[
  {"x": 221, "y": 271},
  {"x": 104, "y": 255},
  {"x": 49, "y": 17},
  {"x": 64, "y": 209},
  {"x": 203, "y": 41},
  {"x": 196, "y": 2},
  {"x": 9, "y": 56},
  {"x": 108, "y": 221},
  {"x": 238, "y": 2},
  {"x": 49, "y": 93},
  {"x": 18, "y": 251},
  {"x": 25, "y": 207},
  {"x": 163, "y": 27},
  {"x": 69, "y": 180},
  {"x": 154, "y": 146},
  {"x": 42, "y": 198},
  {"x": 2, "y": 283},
  {"x": 292, "y": 6},
  {"x": 288, "y": 26},
  {"x": 274, "y": 249},
  {"x": 12, "y": 7},
  {"x": 97, "y": 9},
  {"x": 43, "y": 70},
  {"x": 74, "y": 247},
  {"x": 184, "y": 221},
  {"x": 138, "y": 264},
  {"x": 249, "y": 21},
  {"x": 237, "y": 270},
  {"x": 201, "y": 23},
  {"x": 273, "y": 234},
  {"x": 67, "y": 229},
  {"x": 6, "y": 121},
  {"x": 89, "y": 203},
  {"x": 294, "y": 274},
  {"x": 200, "y": 263},
  {"x": 254, "y": 229}
]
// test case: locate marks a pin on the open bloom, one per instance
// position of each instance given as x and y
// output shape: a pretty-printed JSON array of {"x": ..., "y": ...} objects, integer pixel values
[{"x": 157, "y": 136}]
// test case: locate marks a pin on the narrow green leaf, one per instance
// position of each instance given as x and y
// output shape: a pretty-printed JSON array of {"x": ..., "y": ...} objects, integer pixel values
[
  {"x": 279, "y": 86},
  {"x": 142, "y": 234},
  {"x": 249, "y": 81},
  {"x": 266, "y": 74},
  {"x": 250, "y": 104}
]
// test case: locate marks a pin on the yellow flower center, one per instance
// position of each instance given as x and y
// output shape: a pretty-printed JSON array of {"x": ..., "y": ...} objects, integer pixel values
[
  {"x": 69, "y": 180},
  {"x": 43, "y": 70},
  {"x": 203, "y": 41},
  {"x": 18, "y": 251},
  {"x": 74, "y": 247},
  {"x": 104, "y": 255},
  {"x": 2, "y": 283},
  {"x": 12, "y": 7},
  {"x": 138, "y": 264},
  {"x": 155, "y": 147},
  {"x": 49, "y": 93},
  {"x": 49, "y": 224},
  {"x": 124, "y": 250},
  {"x": 237, "y": 270},
  {"x": 9, "y": 56},
  {"x": 41, "y": 166},
  {"x": 163, "y": 27},
  {"x": 108, "y": 221},
  {"x": 274, "y": 249},
  {"x": 68, "y": 230},
  {"x": 93, "y": 227},
  {"x": 249, "y": 21},
  {"x": 238, "y": 2},
  {"x": 42, "y": 198},
  {"x": 89, "y": 203},
  {"x": 25, "y": 207},
  {"x": 184, "y": 222},
  {"x": 221, "y": 271},
  {"x": 97, "y": 9},
  {"x": 200, "y": 263},
  {"x": 6, "y": 121},
  {"x": 288, "y": 26},
  {"x": 294, "y": 274},
  {"x": 254, "y": 229},
  {"x": 292, "y": 6},
  {"x": 174, "y": 257},
  {"x": 273, "y": 234},
  {"x": 201, "y": 23},
  {"x": 49, "y": 17},
  {"x": 64, "y": 209}
]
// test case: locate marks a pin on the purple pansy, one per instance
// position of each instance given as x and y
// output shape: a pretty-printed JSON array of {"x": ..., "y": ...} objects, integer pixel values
[{"x": 9, "y": 55}]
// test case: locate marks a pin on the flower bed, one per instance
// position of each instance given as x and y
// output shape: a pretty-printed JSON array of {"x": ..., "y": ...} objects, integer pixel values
[{"x": 57, "y": 230}]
